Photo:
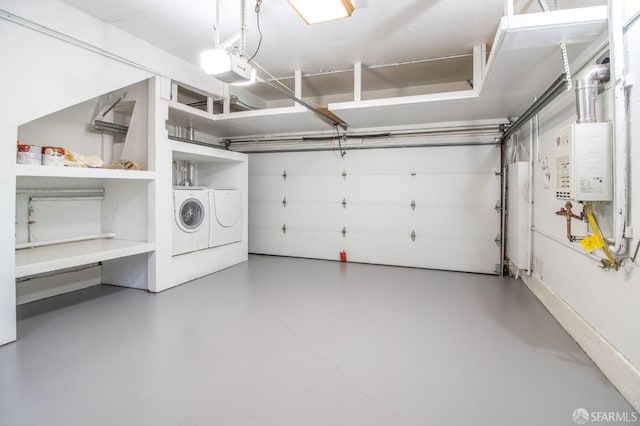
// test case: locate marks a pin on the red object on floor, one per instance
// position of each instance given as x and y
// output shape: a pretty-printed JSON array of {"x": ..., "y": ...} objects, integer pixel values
[{"x": 343, "y": 256}]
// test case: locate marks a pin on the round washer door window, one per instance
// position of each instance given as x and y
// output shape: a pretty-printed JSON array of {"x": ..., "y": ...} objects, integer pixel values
[{"x": 191, "y": 214}]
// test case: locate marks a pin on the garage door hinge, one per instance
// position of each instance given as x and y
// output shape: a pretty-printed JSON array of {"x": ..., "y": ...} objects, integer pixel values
[
  {"x": 284, "y": 229},
  {"x": 413, "y": 235},
  {"x": 413, "y": 204},
  {"x": 344, "y": 174},
  {"x": 284, "y": 175},
  {"x": 344, "y": 203},
  {"x": 284, "y": 202},
  {"x": 344, "y": 231},
  {"x": 498, "y": 172},
  {"x": 498, "y": 206},
  {"x": 498, "y": 240}
]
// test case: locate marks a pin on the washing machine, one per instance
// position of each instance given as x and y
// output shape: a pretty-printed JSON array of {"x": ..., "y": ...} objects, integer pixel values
[
  {"x": 191, "y": 219},
  {"x": 226, "y": 217}
]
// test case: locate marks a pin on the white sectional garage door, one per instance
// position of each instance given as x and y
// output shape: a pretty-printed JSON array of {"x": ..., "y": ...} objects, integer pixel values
[{"x": 421, "y": 207}]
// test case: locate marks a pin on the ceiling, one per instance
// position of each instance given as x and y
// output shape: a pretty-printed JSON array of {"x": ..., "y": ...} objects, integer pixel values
[{"x": 379, "y": 34}]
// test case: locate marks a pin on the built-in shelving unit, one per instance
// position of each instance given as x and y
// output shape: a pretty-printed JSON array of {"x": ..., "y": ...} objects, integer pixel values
[
  {"x": 81, "y": 204},
  {"x": 38, "y": 260}
]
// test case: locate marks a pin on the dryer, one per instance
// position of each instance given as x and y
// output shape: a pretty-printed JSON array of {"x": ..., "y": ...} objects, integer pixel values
[
  {"x": 226, "y": 217},
  {"x": 191, "y": 219}
]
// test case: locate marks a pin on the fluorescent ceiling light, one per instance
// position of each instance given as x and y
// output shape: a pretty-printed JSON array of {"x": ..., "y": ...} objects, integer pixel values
[{"x": 314, "y": 11}]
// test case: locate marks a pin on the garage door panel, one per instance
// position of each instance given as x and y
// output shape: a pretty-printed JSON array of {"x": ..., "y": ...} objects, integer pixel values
[
  {"x": 452, "y": 253},
  {"x": 453, "y": 221}
]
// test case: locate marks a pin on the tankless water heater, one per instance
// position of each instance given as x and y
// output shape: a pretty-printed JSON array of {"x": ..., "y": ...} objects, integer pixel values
[{"x": 583, "y": 162}]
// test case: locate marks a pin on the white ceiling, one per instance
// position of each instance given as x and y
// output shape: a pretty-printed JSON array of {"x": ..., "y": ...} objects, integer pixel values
[{"x": 379, "y": 32}]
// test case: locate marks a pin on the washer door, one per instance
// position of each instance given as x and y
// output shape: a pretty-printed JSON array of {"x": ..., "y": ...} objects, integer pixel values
[{"x": 191, "y": 215}]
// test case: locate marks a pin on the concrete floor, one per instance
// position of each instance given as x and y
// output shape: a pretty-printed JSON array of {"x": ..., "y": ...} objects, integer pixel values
[{"x": 280, "y": 341}]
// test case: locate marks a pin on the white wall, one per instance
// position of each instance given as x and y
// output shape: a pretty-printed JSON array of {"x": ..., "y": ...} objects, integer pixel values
[
  {"x": 7, "y": 236},
  {"x": 607, "y": 300},
  {"x": 62, "y": 74},
  {"x": 455, "y": 190}
]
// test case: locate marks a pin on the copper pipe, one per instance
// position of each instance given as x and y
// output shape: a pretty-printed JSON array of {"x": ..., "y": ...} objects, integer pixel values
[{"x": 568, "y": 213}]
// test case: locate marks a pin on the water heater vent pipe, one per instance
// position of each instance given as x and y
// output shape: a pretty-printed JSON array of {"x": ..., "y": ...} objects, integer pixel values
[{"x": 587, "y": 92}]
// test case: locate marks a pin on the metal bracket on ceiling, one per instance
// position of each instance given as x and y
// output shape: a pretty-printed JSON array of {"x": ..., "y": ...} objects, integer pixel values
[
  {"x": 565, "y": 64},
  {"x": 563, "y": 46}
]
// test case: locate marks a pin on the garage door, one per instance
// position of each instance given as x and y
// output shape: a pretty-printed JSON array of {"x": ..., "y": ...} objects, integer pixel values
[{"x": 428, "y": 207}]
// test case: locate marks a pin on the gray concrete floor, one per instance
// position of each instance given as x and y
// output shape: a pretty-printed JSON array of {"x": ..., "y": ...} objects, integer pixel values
[{"x": 280, "y": 341}]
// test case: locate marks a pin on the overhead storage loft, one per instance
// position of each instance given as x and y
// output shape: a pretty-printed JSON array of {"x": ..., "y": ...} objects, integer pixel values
[{"x": 524, "y": 59}]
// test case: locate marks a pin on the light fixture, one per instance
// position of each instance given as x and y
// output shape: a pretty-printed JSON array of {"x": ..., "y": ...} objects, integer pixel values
[
  {"x": 215, "y": 61},
  {"x": 314, "y": 11},
  {"x": 228, "y": 67}
]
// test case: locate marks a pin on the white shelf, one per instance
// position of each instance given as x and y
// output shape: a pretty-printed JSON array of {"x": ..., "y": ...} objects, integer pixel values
[
  {"x": 60, "y": 256},
  {"x": 408, "y": 110},
  {"x": 246, "y": 123},
  {"x": 525, "y": 57},
  {"x": 186, "y": 116},
  {"x": 269, "y": 121},
  {"x": 82, "y": 172},
  {"x": 200, "y": 153}
]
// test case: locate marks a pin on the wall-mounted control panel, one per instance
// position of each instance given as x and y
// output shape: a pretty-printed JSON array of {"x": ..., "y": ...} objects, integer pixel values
[{"x": 583, "y": 162}]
